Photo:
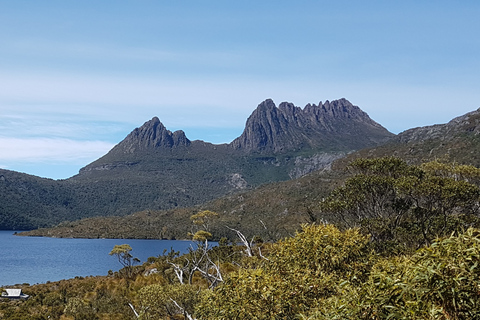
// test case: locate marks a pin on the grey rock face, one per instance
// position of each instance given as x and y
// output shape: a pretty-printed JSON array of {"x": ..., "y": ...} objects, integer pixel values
[
  {"x": 337, "y": 124},
  {"x": 236, "y": 180},
  {"x": 305, "y": 165}
]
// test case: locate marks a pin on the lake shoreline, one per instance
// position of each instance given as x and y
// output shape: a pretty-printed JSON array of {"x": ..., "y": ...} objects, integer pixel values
[
  {"x": 29, "y": 259},
  {"x": 41, "y": 234}
]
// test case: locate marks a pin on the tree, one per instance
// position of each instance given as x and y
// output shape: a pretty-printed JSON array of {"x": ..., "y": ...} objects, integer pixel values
[
  {"x": 198, "y": 260},
  {"x": 122, "y": 252},
  {"x": 204, "y": 218}
]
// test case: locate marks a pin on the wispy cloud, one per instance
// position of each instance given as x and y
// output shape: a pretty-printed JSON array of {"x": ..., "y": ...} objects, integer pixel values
[
  {"x": 51, "y": 151},
  {"x": 213, "y": 102},
  {"x": 126, "y": 53}
]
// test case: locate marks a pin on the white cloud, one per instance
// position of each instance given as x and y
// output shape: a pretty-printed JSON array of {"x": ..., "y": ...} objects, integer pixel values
[{"x": 47, "y": 150}]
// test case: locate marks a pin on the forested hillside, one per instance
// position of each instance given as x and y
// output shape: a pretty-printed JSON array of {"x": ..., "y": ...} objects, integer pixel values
[{"x": 273, "y": 211}]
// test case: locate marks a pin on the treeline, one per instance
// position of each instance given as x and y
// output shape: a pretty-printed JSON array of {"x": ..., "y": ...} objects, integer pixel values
[{"x": 406, "y": 246}]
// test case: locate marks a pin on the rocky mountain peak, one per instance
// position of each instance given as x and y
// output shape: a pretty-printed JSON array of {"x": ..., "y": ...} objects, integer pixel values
[
  {"x": 288, "y": 128},
  {"x": 152, "y": 134}
]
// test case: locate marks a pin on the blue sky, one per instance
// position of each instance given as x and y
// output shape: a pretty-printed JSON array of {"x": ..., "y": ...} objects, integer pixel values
[{"x": 77, "y": 77}]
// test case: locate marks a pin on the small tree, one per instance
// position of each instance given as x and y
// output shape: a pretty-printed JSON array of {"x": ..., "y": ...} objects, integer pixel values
[
  {"x": 198, "y": 259},
  {"x": 122, "y": 252},
  {"x": 203, "y": 219}
]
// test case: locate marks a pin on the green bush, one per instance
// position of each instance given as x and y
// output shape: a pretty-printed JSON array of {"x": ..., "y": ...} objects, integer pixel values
[
  {"x": 438, "y": 282},
  {"x": 300, "y": 272}
]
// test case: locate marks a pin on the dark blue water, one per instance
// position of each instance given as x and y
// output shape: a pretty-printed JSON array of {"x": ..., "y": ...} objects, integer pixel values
[{"x": 38, "y": 260}]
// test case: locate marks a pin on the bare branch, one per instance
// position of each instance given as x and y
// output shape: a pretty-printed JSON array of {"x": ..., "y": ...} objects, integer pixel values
[
  {"x": 248, "y": 245},
  {"x": 178, "y": 271},
  {"x": 261, "y": 255},
  {"x": 189, "y": 317},
  {"x": 134, "y": 311}
]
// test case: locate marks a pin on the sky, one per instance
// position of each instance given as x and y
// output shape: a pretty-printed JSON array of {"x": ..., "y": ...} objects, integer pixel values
[{"x": 77, "y": 76}]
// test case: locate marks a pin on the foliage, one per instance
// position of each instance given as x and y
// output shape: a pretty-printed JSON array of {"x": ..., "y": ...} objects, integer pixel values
[
  {"x": 204, "y": 218},
  {"x": 160, "y": 301},
  {"x": 320, "y": 273},
  {"x": 298, "y": 273},
  {"x": 130, "y": 183},
  {"x": 437, "y": 282},
  {"x": 80, "y": 298},
  {"x": 282, "y": 207},
  {"x": 370, "y": 271},
  {"x": 406, "y": 206}
]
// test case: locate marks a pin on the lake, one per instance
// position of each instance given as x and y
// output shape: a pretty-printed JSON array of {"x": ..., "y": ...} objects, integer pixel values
[{"x": 38, "y": 260}]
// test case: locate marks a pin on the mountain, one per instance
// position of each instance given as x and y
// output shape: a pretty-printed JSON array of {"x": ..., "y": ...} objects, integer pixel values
[
  {"x": 154, "y": 168},
  {"x": 152, "y": 134},
  {"x": 275, "y": 210}
]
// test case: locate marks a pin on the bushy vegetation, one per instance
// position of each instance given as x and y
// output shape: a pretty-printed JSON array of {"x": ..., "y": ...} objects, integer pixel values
[
  {"x": 320, "y": 273},
  {"x": 405, "y": 246}
]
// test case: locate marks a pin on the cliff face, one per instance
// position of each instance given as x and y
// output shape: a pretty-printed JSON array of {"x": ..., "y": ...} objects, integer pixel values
[{"x": 332, "y": 125}]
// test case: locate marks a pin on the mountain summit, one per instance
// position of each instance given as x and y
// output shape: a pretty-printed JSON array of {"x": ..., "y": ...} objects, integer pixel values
[
  {"x": 332, "y": 125},
  {"x": 152, "y": 134}
]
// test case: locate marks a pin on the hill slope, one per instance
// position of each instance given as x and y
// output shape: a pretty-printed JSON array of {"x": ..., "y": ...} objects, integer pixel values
[{"x": 458, "y": 140}]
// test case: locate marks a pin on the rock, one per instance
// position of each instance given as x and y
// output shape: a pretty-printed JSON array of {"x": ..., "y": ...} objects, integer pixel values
[
  {"x": 237, "y": 181},
  {"x": 305, "y": 165}
]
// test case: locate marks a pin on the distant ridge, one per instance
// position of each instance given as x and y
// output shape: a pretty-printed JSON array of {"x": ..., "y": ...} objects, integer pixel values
[
  {"x": 468, "y": 123},
  {"x": 457, "y": 141}
]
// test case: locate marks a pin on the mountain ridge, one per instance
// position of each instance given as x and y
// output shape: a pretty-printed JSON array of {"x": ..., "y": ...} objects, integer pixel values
[
  {"x": 268, "y": 130},
  {"x": 283, "y": 206},
  {"x": 274, "y": 129},
  {"x": 155, "y": 168}
]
